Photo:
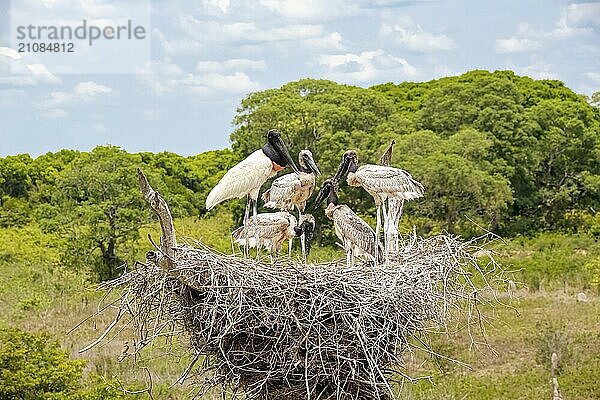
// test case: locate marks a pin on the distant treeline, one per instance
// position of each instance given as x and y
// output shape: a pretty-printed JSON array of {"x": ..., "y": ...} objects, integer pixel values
[{"x": 508, "y": 153}]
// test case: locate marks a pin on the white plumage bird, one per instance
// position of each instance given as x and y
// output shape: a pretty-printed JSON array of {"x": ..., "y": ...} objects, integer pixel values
[
  {"x": 293, "y": 190},
  {"x": 383, "y": 183},
  {"x": 395, "y": 206},
  {"x": 357, "y": 237},
  {"x": 246, "y": 178},
  {"x": 271, "y": 230}
]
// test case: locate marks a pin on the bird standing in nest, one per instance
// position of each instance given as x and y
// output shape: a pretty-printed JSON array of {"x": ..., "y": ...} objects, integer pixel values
[
  {"x": 272, "y": 229},
  {"x": 246, "y": 178},
  {"x": 383, "y": 183},
  {"x": 357, "y": 237},
  {"x": 291, "y": 191}
]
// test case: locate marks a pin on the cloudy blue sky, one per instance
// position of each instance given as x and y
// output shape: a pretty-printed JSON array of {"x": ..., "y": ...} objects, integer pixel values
[{"x": 204, "y": 56}]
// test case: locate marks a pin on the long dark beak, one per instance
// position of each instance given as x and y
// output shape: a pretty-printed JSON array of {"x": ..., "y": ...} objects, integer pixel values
[
  {"x": 308, "y": 237},
  {"x": 323, "y": 194},
  {"x": 352, "y": 165},
  {"x": 342, "y": 170},
  {"x": 283, "y": 151},
  {"x": 310, "y": 163}
]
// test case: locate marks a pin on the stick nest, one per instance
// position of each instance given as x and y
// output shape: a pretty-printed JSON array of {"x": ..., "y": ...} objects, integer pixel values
[{"x": 294, "y": 331}]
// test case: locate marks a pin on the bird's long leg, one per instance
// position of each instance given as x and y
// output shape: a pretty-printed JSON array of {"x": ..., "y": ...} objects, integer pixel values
[
  {"x": 246, "y": 215},
  {"x": 386, "y": 225},
  {"x": 255, "y": 221},
  {"x": 397, "y": 221},
  {"x": 290, "y": 248},
  {"x": 378, "y": 227},
  {"x": 348, "y": 259},
  {"x": 302, "y": 237}
]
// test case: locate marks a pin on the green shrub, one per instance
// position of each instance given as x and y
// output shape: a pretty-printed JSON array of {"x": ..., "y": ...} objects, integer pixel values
[{"x": 34, "y": 367}]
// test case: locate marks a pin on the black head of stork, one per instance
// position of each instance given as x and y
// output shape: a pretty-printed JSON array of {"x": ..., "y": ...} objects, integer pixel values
[
  {"x": 328, "y": 191},
  {"x": 307, "y": 162},
  {"x": 277, "y": 151},
  {"x": 349, "y": 164},
  {"x": 306, "y": 227}
]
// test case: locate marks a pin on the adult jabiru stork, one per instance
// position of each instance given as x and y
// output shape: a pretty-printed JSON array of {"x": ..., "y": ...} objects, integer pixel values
[
  {"x": 246, "y": 178},
  {"x": 293, "y": 190},
  {"x": 382, "y": 183}
]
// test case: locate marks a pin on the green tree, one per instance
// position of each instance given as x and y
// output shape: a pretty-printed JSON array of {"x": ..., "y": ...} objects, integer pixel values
[{"x": 96, "y": 205}]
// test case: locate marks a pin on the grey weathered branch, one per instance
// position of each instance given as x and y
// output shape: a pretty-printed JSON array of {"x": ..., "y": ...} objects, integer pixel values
[
  {"x": 166, "y": 257},
  {"x": 168, "y": 241}
]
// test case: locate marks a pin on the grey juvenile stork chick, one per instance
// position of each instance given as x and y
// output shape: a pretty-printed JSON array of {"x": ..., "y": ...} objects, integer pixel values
[
  {"x": 357, "y": 237},
  {"x": 293, "y": 190},
  {"x": 271, "y": 229},
  {"x": 383, "y": 183}
]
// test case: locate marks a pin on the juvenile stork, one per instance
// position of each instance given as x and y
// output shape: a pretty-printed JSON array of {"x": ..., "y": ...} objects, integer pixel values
[
  {"x": 246, "y": 178},
  {"x": 383, "y": 183},
  {"x": 272, "y": 229},
  {"x": 293, "y": 190},
  {"x": 356, "y": 235}
]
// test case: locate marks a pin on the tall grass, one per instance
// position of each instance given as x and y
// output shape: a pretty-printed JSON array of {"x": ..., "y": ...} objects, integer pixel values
[{"x": 38, "y": 293}]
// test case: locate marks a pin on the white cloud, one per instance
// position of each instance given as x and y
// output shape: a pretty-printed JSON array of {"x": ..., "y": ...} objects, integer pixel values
[
  {"x": 366, "y": 66},
  {"x": 10, "y": 53},
  {"x": 179, "y": 46},
  {"x": 87, "y": 90},
  {"x": 215, "y": 84},
  {"x": 236, "y": 64},
  {"x": 330, "y": 42},
  {"x": 576, "y": 20},
  {"x": 17, "y": 72},
  {"x": 210, "y": 31},
  {"x": 581, "y": 15},
  {"x": 164, "y": 77},
  {"x": 222, "y": 5},
  {"x": 413, "y": 37},
  {"x": 41, "y": 74},
  {"x": 159, "y": 74},
  {"x": 516, "y": 45},
  {"x": 311, "y": 9},
  {"x": 82, "y": 92}
]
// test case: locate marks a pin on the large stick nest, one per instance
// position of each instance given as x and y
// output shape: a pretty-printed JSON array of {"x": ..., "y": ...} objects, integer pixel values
[{"x": 293, "y": 331}]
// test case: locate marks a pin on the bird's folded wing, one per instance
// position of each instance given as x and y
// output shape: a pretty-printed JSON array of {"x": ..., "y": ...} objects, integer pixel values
[
  {"x": 390, "y": 180},
  {"x": 352, "y": 227},
  {"x": 242, "y": 179}
]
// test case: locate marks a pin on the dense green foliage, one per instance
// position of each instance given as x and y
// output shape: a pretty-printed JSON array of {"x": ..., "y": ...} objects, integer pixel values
[
  {"x": 511, "y": 153},
  {"x": 494, "y": 151},
  {"x": 34, "y": 367}
]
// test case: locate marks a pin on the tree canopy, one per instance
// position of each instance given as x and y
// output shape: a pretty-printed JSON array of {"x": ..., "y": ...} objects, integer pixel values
[{"x": 494, "y": 150}]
